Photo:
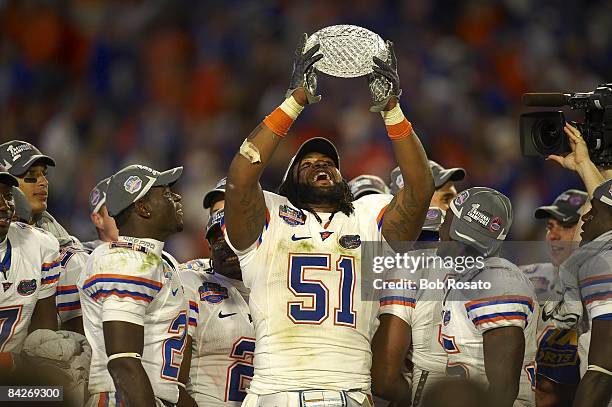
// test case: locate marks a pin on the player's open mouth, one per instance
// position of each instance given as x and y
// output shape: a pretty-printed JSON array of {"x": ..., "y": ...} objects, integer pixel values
[{"x": 321, "y": 177}]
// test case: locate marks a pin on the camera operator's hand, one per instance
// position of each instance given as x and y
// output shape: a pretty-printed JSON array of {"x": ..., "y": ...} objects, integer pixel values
[
  {"x": 578, "y": 160},
  {"x": 580, "y": 152}
]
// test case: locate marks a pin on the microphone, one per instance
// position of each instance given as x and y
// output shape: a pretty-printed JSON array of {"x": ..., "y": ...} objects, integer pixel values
[{"x": 546, "y": 99}]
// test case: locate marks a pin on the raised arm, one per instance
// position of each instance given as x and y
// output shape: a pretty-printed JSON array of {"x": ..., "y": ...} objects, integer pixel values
[
  {"x": 245, "y": 209},
  {"x": 504, "y": 350},
  {"x": 405, "y": 214}
]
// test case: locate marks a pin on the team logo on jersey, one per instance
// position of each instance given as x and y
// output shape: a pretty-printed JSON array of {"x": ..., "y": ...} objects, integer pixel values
[
  {"x": 6, "y": 286},
  {"x": 26, "y": 287},
  {"x": 446, "y": 317},
  {"x": 350, "y": 241},
  {"x": 291, "y": 216},
  {"x": 325, "y": 235},
  {"x": 213, "y": 293},
  {"x": 133, "y": 184}
]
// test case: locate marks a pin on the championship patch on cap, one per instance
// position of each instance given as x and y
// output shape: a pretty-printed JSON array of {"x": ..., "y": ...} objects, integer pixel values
[
  {"x": 432, "y": 214},
  {"x": 26, "y": 287},
  {"x": 133, "y": 184},
  {"x": 212, "y": 293},
  {"x": 291, "y": 216},
  {"x": 481, "y": 217},
  {"x": 462, "y": 197},
  {"x": 495, "y": 224},
  {"x": 95, "y": 196}
]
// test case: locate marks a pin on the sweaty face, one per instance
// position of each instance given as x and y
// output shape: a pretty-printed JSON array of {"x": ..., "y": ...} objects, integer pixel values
[
  {"x": 443, "y": 196},
  {"x": 35, "y": 187},
  {"x": 7, "y": 209},
  {"x": 559, "y": 238},
  {"x": 166, "y": 209},
  {"x": 319, "y": 180},
  {"x": 597, "y": 221}
]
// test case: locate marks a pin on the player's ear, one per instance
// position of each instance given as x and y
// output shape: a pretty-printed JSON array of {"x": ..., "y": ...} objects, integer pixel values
[{"x": 143, "y": 208}]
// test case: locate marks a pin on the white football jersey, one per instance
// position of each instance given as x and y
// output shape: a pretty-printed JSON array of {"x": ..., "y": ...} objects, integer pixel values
[
  {"x": 557, "y": 356},
  {"x": 468, "y": 313},
  {"x": 313, "y": 322},
  {"x": 421, "y": 308},
  {"x": 223, "y": 337},
  {"x": 129, "y": 281},
  {"x": 30, "y": 272},
  {"x": 72, "y": 263}
]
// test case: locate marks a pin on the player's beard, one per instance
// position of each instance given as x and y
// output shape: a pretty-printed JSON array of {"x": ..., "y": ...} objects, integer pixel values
[{"x": 325, "y": 195}]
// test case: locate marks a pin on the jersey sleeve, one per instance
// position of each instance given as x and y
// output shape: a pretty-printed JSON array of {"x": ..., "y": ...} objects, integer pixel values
[
  {"x": 595, "y": 282},
  {"x": 273, "y": 203},
  {"x": 371, "y": 212},
  {"x": 191, "y": 282},
  {"x": 509, "y": 302},
  {"x": 50, "y": 267},
  {"x": 399, "y": 300},
  {"x": 72, "y": 263},
  {"x": 125, "y": 282}
]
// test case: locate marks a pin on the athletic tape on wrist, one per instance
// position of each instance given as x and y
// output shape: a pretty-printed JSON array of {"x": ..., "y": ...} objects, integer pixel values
[
  {"x": 595, "y": 368},
  {"x": 281, "y": 119},
  {"x": 398, "y": 127},
  {"x": 124, "y": 355}
]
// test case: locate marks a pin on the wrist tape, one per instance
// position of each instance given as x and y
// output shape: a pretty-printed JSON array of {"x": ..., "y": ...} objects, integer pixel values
[
  {"x": 281, "y": 119},
  {"x": 397, "y": 126}
]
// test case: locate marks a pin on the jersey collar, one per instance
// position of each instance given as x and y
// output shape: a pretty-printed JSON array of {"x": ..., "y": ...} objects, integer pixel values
[{"x": 152, "y": 245}]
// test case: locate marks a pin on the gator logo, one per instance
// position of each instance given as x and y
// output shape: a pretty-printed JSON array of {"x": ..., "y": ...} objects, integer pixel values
[
  {"x": 350, "y": 241},
  {"x": 26, "y": 287}
]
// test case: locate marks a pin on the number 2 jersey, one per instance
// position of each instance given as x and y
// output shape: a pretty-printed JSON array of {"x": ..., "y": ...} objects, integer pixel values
[
  {"x": 132, "y": 281},
  {"x": 222, "y": 333},
  {"x": 30, "y": 272},
  {"x": 468, "y": 313},
  {"x": 312, "y": 322}
]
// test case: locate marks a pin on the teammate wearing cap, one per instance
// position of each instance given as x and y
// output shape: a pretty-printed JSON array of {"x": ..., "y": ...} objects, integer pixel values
[
  {"x": 98, "y": 213},
  {"x": 223, "y": 334},
  {"x": 134, "y": 308},
  {"x": 489, "y": 333},
  {"x": 557, "y": 358},
  {"x": 29, "y": 166},
  {"x": 28, "y": 276},
  {"x": 300, "y": 251},
  {"x": 410, "y": 320},
  {"x": 591, "y": 264},
  {"x": 367, "y": 184},
  {"x": 443, "y": 181}
]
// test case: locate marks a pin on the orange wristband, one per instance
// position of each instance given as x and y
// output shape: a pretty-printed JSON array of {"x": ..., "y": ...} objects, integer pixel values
[
  {"x": 400, "y": 130},
  {"x": 279, "y": 122}
]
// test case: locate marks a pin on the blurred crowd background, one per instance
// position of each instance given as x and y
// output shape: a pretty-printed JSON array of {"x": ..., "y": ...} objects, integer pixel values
[{"x": 99, "y": 84}]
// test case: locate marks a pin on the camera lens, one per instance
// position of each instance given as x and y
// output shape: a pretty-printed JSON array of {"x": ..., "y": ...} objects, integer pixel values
[{"x": 547, "y": 136}]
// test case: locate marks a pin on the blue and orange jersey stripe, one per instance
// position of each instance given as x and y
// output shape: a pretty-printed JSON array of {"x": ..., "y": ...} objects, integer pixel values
[
  {"x": 398, "y": 300},
  {"x": 606, "y": 278},
  {"x": 601, "y": 296},
  {"x": 69, "y": 306},
  {"x": 500, "y": 300},
  {"x": 194, "y": 306},
  {"x": 49, "y": 266},
  {"x": 50, "y": 279},
  {"x": 121, "y": 294},
  {"x": 66, "y": 289},
  {"x": 122, "y": 278},
  {"x": 497, "y": 316},
  {"x": 380, "y": 217}
]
